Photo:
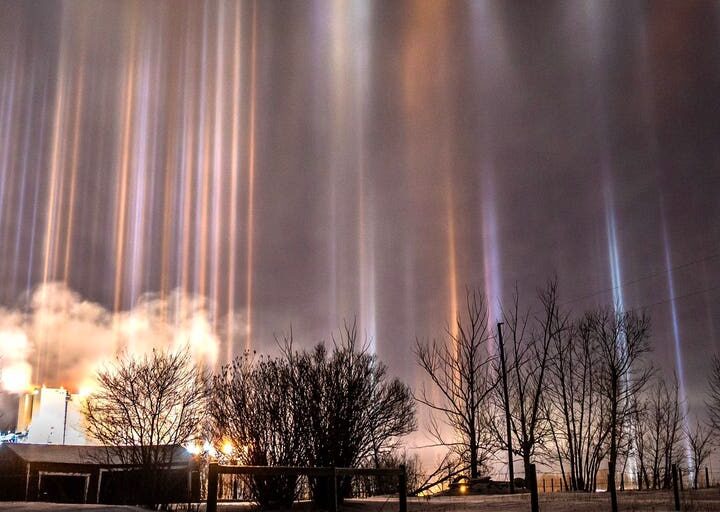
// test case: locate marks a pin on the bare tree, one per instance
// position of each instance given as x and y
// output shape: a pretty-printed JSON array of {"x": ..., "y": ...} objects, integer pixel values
[
  {"x": 659, "y": 432},
  {"x": 449, "y": 468},
  {"x": 579, "y": 423},
  {"x": 712, "y": 401},
  {"x": 150, "y": 405},
  {"x": 637, "y": 422},
  {"x": 459, "y": 369},
  {"x": 255, "y": 408},
  {"x": 700, "y": 439},
  {"x": 622, "y": 339},
  {"x": 529, "y": 361},
  {"x": 318, "y": 408},
  {"x": 382, "y": 485},
  {"x": 351, "y": 409}
]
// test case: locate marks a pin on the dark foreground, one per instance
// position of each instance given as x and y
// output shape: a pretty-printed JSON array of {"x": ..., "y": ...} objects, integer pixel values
[{"x": 705, "y": 500}]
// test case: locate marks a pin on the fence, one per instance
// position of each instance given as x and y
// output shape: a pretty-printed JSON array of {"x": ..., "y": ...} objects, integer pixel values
[
  {"x": 215, "y": 470},
  {"x": 554, "y": 482}
]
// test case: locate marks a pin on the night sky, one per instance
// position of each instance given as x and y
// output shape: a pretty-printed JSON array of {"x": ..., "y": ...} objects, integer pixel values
[{"x": 301, "y": 162}]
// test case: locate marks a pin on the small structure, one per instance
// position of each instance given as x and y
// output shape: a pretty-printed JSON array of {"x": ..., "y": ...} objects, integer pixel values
[
  {"x": 88, "y": 474},
  {"x": 464, "y": 485}
]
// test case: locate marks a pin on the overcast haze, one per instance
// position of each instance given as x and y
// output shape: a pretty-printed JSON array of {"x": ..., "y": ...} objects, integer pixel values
[{"x": 304, "y": 162}]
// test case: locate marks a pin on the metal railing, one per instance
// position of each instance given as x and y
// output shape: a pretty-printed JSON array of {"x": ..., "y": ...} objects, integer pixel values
[{"x": 215, "y": 470}]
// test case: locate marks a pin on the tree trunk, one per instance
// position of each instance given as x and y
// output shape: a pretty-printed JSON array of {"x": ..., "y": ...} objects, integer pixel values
[
  {"x": 611, "y": 485},
  {"x": 531, "y": 484},
  {"x": 473, "y": 458},
  {"x": 612, "y": 458}
]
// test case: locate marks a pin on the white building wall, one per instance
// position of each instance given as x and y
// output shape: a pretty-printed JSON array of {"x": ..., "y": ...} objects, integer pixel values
[{"x": 55, "y": 418}]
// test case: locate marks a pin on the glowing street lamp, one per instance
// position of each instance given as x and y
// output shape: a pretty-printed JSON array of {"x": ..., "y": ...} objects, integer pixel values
[{"x": 227, "y": 448}]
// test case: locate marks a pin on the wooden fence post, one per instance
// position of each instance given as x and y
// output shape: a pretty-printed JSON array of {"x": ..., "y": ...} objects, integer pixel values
[
  {"x": 402, "y": 488},
  {"x": 334, "y": 491},
  {"x": 707, "y": 478},
  {"x": 212, "y": 488}
]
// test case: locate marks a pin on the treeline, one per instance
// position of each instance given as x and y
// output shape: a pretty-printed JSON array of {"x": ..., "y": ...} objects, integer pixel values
[
  {"x": 569, "y": 392},
  {"x": 321, "y": 408},
  {"x": 326, "y": 407},
  {"x": 544, "y": 387}
]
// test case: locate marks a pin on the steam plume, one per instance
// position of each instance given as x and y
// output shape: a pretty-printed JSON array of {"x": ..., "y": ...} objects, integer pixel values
[{"x": 57, "y": 338}]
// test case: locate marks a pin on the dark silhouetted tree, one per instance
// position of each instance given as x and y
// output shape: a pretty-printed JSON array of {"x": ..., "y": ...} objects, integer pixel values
[
  {"x": 255, "y": 407},
  {"x": 712, "y": 401},
  {"x": 529, "y": 340},
  {"x": 700, "y": 439},
  {"x": 351, "y": 409},
  {"x": 150, "y": 404},
  {"x": 659, "y": 432},
  {"x": 579, "y": 421},
  {"x": 460, "y": 373},
  {"x": 622, "y": 340}
]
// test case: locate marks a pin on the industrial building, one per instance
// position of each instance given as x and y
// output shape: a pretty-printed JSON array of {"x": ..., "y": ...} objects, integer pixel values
[{"x": 50, "y": 416}]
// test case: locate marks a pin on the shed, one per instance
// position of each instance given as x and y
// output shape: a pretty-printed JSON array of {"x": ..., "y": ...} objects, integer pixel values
[{"x": 88, "y": 474}]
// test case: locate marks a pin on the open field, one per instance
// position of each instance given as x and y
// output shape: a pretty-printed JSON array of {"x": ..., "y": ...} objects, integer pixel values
[
  {"x": 705, "y": 500},
  {"x": 33, "y": 506},
  {"x": 702, "y": 500}
]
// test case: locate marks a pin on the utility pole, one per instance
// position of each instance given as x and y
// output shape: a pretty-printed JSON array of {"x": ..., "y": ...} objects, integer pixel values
[
  {"x": 67, "y": 399},
  {"x": 506, "y": 397}
]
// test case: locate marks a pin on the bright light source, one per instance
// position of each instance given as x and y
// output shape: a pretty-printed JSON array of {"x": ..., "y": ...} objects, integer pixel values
[
  {"x": 227, "y": 448},
  {"x": 194, "y": 448},
  {"x": 463, "y": 488},
  {"x": 85, "y": 391},
  {"x": 16, "y": 378},
  {"x": 15, "y": 371}
]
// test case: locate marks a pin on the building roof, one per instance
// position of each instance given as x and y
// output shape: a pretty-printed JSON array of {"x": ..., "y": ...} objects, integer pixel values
[{"x": 75, "y": 454}]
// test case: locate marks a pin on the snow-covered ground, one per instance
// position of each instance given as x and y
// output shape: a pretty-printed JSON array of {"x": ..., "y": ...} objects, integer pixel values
[
  {"x": 23, "y": 506},
  {"x": 706, "y": 500}
]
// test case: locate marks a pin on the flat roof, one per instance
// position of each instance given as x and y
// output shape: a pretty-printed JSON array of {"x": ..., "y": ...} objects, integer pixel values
[{"x": 82, "y": 454}]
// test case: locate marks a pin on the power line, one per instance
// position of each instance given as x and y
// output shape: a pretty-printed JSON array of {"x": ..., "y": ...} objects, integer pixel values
[
  {"x": 643, "y": 278},
  {"x": 678, "y": 297}
]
